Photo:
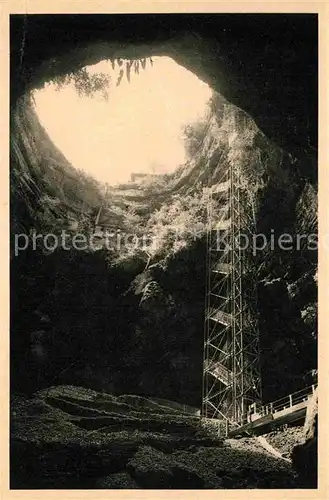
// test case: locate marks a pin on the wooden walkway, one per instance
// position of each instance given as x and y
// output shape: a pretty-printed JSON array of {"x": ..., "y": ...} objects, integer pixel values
[{"x": 283, "y": 411}]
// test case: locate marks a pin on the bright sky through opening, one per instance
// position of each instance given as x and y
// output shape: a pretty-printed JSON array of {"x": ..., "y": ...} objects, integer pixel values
[{"x": 139, "y": 128}]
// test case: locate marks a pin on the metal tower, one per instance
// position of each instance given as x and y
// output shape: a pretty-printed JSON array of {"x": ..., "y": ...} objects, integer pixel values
[{"x": 231, "y": 373}]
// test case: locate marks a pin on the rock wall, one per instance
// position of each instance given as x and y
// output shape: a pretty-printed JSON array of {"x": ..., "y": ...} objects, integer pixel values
[
  {"x": 119, "y": 327},
  {"x": 305, "y": 455}
]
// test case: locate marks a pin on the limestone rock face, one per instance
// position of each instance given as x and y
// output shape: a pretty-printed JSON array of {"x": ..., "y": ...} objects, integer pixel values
[
  {"x": 304, "y": 456},
  {"x": 311, "y": 421},
  {"x": 156, "y": 349}
]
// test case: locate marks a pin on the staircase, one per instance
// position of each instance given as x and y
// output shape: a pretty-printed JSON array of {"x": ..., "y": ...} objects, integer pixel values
[{"x": 219, "y": 371}]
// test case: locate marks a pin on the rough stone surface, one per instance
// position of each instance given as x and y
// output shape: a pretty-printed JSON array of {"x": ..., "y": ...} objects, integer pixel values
[
  {"x": 50, "y": 450},
  {"x": 304, "y": 456},
  {"x": 160, "y": 309},
  {"x": 119, "y": 481},
  {"x": 311, "y": 421},
  {"x": 153, "y": 469}
]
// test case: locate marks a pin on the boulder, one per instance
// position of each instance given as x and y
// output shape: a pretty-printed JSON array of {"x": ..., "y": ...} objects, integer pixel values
[{"x": 305, "y": 455}]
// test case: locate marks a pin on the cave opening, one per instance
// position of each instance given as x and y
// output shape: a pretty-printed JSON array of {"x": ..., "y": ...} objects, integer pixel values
[
  {"x": 224, "y": 134},
  {"x": 131, "y": 322},
  {"x": 146, "y": 111},
  {"x": 139, "y": 197}
]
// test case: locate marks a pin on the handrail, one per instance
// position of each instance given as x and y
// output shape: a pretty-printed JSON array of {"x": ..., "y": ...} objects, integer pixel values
[
  {"x": 305, "y": 389},
  {"x": 285, "y": 402}
]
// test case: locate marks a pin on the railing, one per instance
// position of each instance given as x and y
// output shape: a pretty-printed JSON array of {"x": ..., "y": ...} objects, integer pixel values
[
  {"x": 285, "y": 402},
  {"x": 261, "y": 411}
]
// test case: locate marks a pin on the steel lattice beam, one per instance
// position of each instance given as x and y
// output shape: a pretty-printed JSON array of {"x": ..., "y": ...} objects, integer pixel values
[{"x": 231, "y": 374}]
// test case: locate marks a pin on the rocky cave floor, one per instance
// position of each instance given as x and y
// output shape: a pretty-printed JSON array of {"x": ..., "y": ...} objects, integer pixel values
[{"x": 69, "y": 437}]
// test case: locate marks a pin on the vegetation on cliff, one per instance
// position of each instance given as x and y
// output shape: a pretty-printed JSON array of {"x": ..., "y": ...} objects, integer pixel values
[{"x": 109, "y": 313}]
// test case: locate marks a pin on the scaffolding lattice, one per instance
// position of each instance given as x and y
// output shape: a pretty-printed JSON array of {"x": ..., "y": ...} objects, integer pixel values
[{"x": 231, "y": 373}]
